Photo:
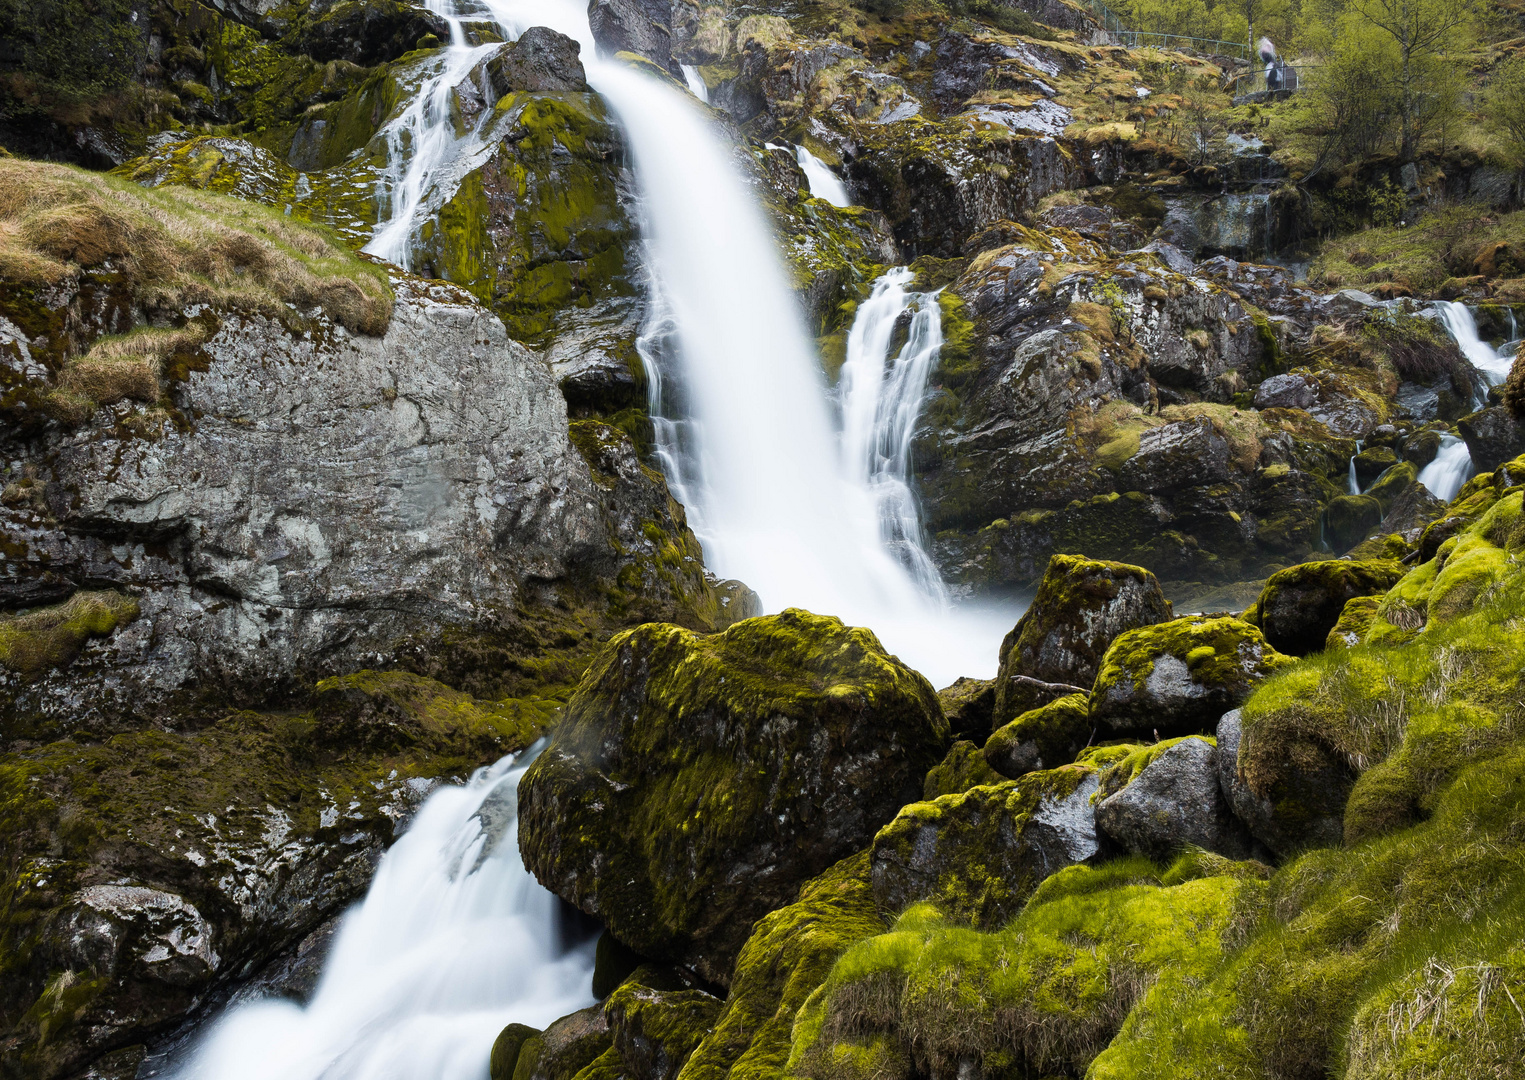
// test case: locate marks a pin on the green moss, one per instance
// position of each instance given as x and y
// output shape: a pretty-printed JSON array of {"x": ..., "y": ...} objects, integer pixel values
[
  {"x": 658, "y": 1029},
  {"x": 962, "y": 769},
  {"x": 43, "y": 638},
  {"x": 1124, "y": 772},
  {"x": 787, "y": 957},
  {"x": 1044, "y": 995},
  {"x": 396, "y": 708},
  {"x": 1181, "y": 676},
  {"x": 505, "y": 1050},
  {"x": 971, "y": 854},
  {"x": 1046, "y": 737},
  {"x": 1355, "y": 621},
  {"x": 1393, "y": 483}
]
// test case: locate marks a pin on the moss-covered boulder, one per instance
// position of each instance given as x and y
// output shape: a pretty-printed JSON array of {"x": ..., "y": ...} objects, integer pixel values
[
  {"x": 1354, "y": 622},
  {"x": 1165, "y": 797},
  {"x": 1081, "y": 606},
  {"x": 1349, "y": 519},
  {"x": 969, "y": 704},
  {"x": 978, "y": 856},
  {"x": 390, "y": 710},
  {"x": 1179, "y": 677},
  {"x": 657, "y": 1028},
  {"x": 1096, "y": 951},
  {"x": 1042, "y": 738},
  {"x": 964, "y": 767},
  {"x": 505, "y": 1050},
  {"x": 788, "y": 956},
  {"x": 696, "y": 781},
  {"x": 566, "y": 1047},
  {"x": 1300, "y": 605}
]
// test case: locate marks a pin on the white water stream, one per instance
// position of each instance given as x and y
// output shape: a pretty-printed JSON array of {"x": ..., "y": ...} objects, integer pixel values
[
  {"x": 695, "y": 83},
  {"x": 824, "y": 184},
  {"x": 1494, "y": 363},
  {"x": 1449, "y": 471},
  {"x": 454, "y": 941}
]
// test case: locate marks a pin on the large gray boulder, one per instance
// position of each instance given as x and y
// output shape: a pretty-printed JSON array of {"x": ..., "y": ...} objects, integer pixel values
[
  {"x": 541, "y": 61},
  {"x": 1188, "y": 453},
  {"x": 1172, "y": 802}
]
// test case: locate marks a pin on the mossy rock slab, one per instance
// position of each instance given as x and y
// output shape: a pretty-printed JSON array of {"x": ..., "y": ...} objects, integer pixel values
[
  {"x": 390, "y": 710},
  {"x": 1301, "y": 605},
  {"x": 566, "y": 1047},
  {"x": 1354, "y": 623},
  {"x": 786, "y": 959},
  {"x": 962, "y": 769},
  {"x": 696, "y": 781},
  {"x": 979, "y": 855},
  {"x": 1080, "y": 607},
  {"x": 1179, "y": 677},
  {"x": 1166, "y": 797},
  {"x": 1349, "y": 519},
  {"x": 1042, "y": 738}
]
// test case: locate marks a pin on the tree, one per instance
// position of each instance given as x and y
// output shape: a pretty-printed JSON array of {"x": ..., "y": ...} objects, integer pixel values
[
  {"x": 1505, "y": 108},
  {"x": 1424, "y": 32}
]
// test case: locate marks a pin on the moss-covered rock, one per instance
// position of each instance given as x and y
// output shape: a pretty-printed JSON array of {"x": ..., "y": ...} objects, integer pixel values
[
  {"x": 1354, "y": 623},
  {"x": 695, "y": 781},
  {"x": 1043, "y": 996},
  {"x": 656, "y": 1030},
  {"x": 1081, "y": 606},
  {"x": 1349, "y": 519},
  {"x": 979, "y": 855},
  {"x": 566, "y": 1047},
  {"x": 390, "y": 710},
  {"x": 962, "y": 769},
  {"x": 1166, "y": 797},
  {"x": 788, "y": 956},
  {"x": 969, "y": 704},
  {"x": 1042, "y": 738},
  {"x": 1300, "y": 605},
  {"x": 1179, "y": 677},
  {"x": 505, "y": 1050}
]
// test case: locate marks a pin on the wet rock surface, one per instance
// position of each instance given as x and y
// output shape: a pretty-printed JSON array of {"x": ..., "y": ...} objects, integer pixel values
[{"x": 1173, "y": 801}]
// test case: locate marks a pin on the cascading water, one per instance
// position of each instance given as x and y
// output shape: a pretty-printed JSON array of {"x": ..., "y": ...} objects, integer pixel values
[
  {"x": 824, "y": 184},
  {"x": 1458, "y": 321},
  {"x": 426, "y": 157},
  {"x": 695, "y": 83},
  {"x": 1354, "y": 482},
  {"x": 1449, "y": 471},
  {"x": 747, "y": 432},
  {"x": 454, "y": 941},
  {"x": 881, "y": 399}
]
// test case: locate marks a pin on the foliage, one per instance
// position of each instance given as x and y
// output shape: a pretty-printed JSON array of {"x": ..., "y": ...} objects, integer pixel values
[
  {"x": 60, "y": 54},
  {"x": 1505, "y": 108}
]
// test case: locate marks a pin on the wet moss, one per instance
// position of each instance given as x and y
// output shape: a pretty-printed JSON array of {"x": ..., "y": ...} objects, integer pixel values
[
  {"x": 962, "y": 769},
  {"x": 1043, "y": 738},
  {"x": 788, "y": 956}
]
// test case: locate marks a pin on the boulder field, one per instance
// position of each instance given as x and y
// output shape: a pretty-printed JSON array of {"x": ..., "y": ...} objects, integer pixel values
[{"x": 290, "y": 537}]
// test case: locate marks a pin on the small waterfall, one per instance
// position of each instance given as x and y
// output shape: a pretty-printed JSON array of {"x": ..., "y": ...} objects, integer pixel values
[
  {"x": 695, "y": 83},
  {"x": 1458, "y": 321},
  {"x": 1354, "y": 482},
  {"x": 454, "y": 941},
  {"x": 426, "y": 155},
  {"x": 824, "y": 184},
  {"x": 881, "y": 400},
  {"x": 1444, "y": 476}
]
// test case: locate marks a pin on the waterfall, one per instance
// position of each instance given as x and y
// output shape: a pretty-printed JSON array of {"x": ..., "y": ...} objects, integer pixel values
[
  {"x": 695, "y": 83},
  {"x": 1458, "y": 321},
  {"x": 1354, "y": 482},
  {"x": 426, "y": 156},
  {"x": 824, "y": 184},
  {"x": 1449, "y": 471},
  {"x": 746, "y": 433},
  {"x": 881, "y": 400},
  {"x": 454, "y": 941}
]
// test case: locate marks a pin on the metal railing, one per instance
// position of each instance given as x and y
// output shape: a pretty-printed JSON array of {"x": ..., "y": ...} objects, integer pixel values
[
  {"x": 1286, "y": 78},
  {"x": 1129, "y": 38}
]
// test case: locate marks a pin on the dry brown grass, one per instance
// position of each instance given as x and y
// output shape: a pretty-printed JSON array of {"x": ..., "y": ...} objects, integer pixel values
[{"x": 178, "y": 247}]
